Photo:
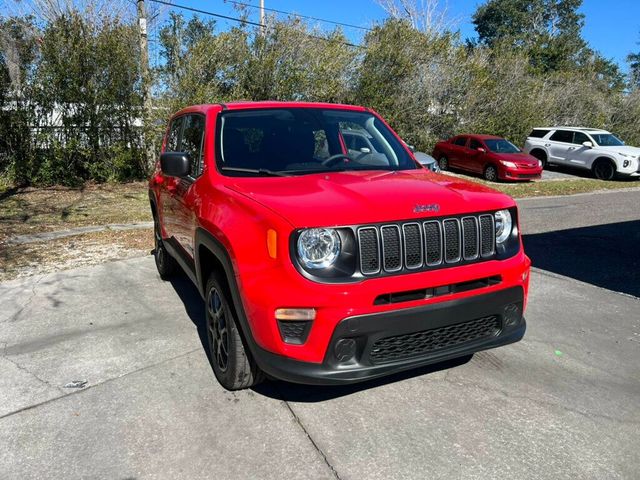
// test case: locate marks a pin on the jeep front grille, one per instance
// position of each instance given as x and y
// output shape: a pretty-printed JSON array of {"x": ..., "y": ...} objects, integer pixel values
[{"x": 424, "y": 245}]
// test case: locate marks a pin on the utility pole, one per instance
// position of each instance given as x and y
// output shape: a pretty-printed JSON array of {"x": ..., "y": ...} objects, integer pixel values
[
  {"x": 147, "y": 135},
  {"x": 264, "y": 26}
]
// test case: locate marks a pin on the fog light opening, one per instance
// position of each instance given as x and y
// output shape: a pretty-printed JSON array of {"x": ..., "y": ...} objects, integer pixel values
[
  {"x": 345, "y": 349},
  {"x": 511, "y": 315}
]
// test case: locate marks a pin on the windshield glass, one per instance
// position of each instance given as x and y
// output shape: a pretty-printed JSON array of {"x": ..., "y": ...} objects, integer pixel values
[
  {"x": 607, "y": 140},
  {"x": 501, "y": 146},
  {"x": 306, "y": 140}
]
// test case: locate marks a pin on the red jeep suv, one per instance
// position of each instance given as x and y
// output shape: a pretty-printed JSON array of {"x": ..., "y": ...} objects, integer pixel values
[{"x": 320, "y": 262}]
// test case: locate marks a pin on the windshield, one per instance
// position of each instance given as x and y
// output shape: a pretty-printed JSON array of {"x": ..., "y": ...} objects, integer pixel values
[
  {"x": 293, "y": 141},
  {"x": 607, "y": 140},
  {"x": 501, "y": 146}
]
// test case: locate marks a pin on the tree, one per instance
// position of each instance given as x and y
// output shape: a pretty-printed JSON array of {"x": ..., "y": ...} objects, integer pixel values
[
  {"x": 548, "y": 30},
  {"x": 18, "y": 52},
  {"x": 427, "y": 16},
  {"x": 634, "y": 70},
  {"x": 87, "y": 89}
]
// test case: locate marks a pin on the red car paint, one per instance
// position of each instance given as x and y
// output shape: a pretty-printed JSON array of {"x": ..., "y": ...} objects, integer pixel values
[
  {"x": 475, "y": 156},
  {"x": 239, "y": 211}
]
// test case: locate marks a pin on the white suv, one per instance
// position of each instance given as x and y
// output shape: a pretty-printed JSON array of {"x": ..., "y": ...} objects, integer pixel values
[{"x": 597, "y": 150}]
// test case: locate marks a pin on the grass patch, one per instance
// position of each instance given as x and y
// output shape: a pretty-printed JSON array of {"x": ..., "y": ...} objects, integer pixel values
[
  {"x": 560, "y": 187},
  {"x": 32, "y": 210},
  {"x": 551, "y": 187}
]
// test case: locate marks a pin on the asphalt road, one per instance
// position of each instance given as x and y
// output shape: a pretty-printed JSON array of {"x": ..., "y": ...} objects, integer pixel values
[{"x": 563, "y": 403}]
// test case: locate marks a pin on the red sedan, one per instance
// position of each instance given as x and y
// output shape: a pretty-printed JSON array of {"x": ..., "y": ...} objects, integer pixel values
[{"x": 493, "y": 157}]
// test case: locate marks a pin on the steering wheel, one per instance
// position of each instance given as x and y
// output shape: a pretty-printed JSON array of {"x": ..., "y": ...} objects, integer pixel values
[{"x": 332, "y": 159}]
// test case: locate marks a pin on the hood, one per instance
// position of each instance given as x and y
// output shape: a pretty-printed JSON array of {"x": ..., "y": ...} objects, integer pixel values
[
  {"x": 351, "y": 198},
  {"x": 522, "y": 158},
  {"x": 626, "y": 149}
]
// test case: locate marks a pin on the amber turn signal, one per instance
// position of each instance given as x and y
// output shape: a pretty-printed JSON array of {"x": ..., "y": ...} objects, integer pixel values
[{"x": 272, "y": 243}]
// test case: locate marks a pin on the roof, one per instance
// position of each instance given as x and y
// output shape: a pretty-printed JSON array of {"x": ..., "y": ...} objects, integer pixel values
[
  {"x": 573, "y": 129},
  {"x": 480, "y": 137},
  {"x": 241, "y": 105}
]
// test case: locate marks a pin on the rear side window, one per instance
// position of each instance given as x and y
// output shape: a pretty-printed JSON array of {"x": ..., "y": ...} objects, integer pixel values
[
  {"x": 565, "y": 136},
  {"x": 174, "y": 135},
  {"x": 192, "y": 136},
  {"x": 460, "y": 141},
  {"x": 538, "y": 133}
]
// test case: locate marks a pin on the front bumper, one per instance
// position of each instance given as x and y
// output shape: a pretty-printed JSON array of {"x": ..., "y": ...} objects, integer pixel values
[
  {"x": 358, "y": 359},
  {"x": 521, "y": 173}
]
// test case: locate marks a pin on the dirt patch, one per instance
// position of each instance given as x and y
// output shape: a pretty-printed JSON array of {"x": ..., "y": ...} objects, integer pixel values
[
  {"x": 18, "y": 261},
  {"x": 31, "y": 210}
]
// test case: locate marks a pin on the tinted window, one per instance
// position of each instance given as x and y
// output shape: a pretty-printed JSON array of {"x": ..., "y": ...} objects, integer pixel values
[
  {"x": 538, "y": 133},
  {"x": 500, "y": 145},
  {"x": 300, "y": 140},
  {"x": 562, "y": 136},
  {"x": 192, "y": 136},
  {"x": 475, "y": 144},
  {"x": 579, "y": 138},
  {"x": 174, "y": 135},
  {"x": 461, "y": 141},
  {"x": 607, "y": 140}
]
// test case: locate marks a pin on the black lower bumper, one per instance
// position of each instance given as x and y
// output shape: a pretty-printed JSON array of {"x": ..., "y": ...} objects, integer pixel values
[{"x": 353, "y": 354}]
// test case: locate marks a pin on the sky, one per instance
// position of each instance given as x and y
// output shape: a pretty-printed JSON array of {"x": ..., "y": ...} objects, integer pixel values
[{"x": 612, "y": 27}]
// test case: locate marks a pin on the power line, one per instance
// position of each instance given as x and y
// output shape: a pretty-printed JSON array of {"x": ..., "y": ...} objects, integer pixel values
[
  {"x": 244, "y": 21},
  {"x": 204, "y": 12},
  {"x": 350, "y": 25}
]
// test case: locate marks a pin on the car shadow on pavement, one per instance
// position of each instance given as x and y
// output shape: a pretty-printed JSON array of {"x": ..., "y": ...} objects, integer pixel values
[
  {"x": 193, "y": 305},
  {"x": 292, "y": 392},
  {"x": 603, "y": 255}
]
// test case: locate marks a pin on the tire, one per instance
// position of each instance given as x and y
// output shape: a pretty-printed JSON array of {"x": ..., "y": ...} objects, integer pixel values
[
  {"x": 540, "y": 155},
  {"x": 443, "y": 163},
  {"x": 165, "y": 263},
  {"x": 491, "y": 173},
  {"x": 604, "y": 169},
  {"x": 232, "y": 364}
]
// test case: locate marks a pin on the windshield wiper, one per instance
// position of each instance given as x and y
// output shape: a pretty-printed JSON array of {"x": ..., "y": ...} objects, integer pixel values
[{"x": 257, "y": 171}]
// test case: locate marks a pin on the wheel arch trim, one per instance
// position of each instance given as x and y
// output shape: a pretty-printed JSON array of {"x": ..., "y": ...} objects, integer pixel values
[{"x": 204, "y": 239}]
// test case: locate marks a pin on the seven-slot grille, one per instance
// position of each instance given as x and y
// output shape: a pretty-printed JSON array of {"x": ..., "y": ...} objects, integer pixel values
[{"x": 419, "y": 245}]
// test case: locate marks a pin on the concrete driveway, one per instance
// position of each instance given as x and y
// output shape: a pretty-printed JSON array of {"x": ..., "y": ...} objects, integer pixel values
[{"x": 563, "y": 403}]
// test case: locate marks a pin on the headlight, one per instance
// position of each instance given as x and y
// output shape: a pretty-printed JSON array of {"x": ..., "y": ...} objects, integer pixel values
[
  {"x": 539, "y": 163},
  {"x": 508, "y": 164},
  {"x": 318, "y": 247},
  {"x": 503, "y": 225}
]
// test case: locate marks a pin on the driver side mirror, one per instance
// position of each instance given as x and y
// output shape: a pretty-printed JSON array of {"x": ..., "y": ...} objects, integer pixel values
[
  {"x": 410, "y": 147},
  {"x": 481, "y": 150},
  {"x": 175, "y": 164},
  {"x": 587, "y": 144}
]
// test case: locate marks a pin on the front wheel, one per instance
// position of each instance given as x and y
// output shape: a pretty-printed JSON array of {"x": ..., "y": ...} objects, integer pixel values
[
  {"x": 443, "y": 163},
  {"x": 491, "y": 173},
  {"x": 232, "y": 364},
  {"x": 604, "y": 170}
]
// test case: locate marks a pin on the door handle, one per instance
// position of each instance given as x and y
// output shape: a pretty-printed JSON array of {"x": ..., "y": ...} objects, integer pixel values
[
  {"x": 547, "y": 144},
  {"x": 571, "y": 148}
]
